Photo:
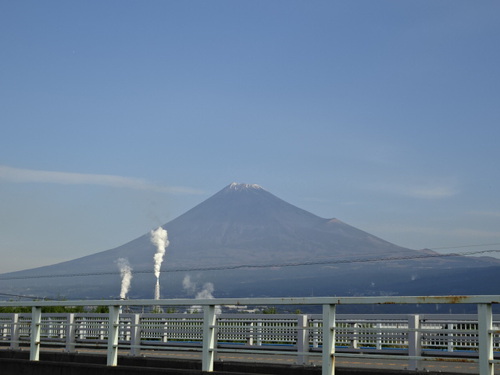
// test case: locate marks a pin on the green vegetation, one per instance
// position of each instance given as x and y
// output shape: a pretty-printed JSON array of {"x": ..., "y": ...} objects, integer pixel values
[
  {"x": 15, "y": 309},
  {"x": 270, "y": 310},
  {"x": 100, "y": 310},
  {"x": 45, "y": 309}
]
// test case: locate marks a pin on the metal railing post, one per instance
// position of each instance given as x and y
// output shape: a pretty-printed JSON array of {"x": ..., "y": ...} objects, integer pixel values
[
  {"x": 82, "y": 331},
  {"x": 485, "y": 339},
  {"x": 259, "y": 333},
  {"x": 50, "y": 328},
  {"x": 208, "y": 351},
  {"x": 355, "y": 336},
  {"x": 102, "y": 330},
  {"x": 250, "y": 334},
  {"x": 414, "y": 342},
  {"x": 61, "y": 331},
  {"x": 302, "y": 339},
  {"x": 451, "y": 340},
  {"x": 329, "y": 326},
  {"x": 113, "y": 332},
  {"x": 164, "y": 337},
  {"x": 315, "y": 334},
  {"x": 70, "y": 333},
  {"x": 14, "y": 332},
  {"x": 135, "y": 337},
  {"x": 378, "y": 344},
  {"x": 36, "y": 322}
]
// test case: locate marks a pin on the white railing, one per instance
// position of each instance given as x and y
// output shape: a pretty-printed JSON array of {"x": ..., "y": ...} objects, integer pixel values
[
  {"x": 328, "y": 335},
  {"x": 353, "y": 331}
]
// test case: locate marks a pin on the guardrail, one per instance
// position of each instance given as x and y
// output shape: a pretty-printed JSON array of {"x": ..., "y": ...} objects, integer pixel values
[{"x": 328, "y": 335}]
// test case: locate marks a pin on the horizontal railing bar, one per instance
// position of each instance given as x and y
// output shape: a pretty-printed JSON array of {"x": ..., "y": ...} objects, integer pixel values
[
  {"x": 387, "y": 300},
  {"x": 168, "y": 348},
  {"x": 263, "y": 351},
  {"x": 405, "y": 357}
]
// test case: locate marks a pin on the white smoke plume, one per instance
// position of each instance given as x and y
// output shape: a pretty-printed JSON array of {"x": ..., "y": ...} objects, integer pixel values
[
  {"x": 188, "y": 285},
  {"x": 126, "y": 275},
  {"x": 159, "y": 239},
  {"x": 206, "y": 292}
]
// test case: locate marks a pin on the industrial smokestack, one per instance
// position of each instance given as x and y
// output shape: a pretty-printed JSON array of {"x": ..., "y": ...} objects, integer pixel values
[
  {"x": 157, "y": 289},
  {"x": 159, "y": 239}
]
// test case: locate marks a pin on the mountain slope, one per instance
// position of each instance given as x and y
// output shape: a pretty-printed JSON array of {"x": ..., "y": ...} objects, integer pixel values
[{"x": 246, "y": 225}]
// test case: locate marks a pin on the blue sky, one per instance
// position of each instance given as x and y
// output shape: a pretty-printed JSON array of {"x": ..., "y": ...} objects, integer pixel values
[{"x": 118, "y": 116}]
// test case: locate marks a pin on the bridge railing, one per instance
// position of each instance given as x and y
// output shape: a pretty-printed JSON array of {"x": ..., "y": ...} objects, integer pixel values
[{"x": 327, "y": 335}]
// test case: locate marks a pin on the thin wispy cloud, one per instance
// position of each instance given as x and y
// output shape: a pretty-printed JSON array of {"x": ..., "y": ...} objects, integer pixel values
[
  {"x": 426, "y": 190},
  {"x": 430, "y": 192},
  {"x": 19, "y": 175}
]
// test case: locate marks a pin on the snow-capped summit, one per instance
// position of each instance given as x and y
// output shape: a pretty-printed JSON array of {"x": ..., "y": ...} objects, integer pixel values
[{"x": 237, "y": 186}]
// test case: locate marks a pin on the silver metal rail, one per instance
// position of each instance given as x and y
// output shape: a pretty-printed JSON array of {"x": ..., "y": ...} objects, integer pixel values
[{"x": 326, "y": 335}]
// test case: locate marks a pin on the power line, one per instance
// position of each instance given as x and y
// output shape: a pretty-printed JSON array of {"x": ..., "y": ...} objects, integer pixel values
[
  {"x": 463, "y": 246},
  {"x": 280, "y": 265}
]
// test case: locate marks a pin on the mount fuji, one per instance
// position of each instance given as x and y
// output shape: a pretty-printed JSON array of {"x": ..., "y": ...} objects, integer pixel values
[{"x": 247, "y": 242}]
